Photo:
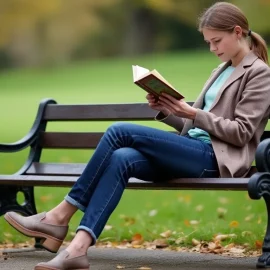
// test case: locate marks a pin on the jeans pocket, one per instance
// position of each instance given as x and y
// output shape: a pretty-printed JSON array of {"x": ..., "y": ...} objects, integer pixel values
[{"x": 209, "y": 173}]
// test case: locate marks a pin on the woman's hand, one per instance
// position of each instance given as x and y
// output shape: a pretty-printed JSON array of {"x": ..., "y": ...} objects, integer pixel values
[
  {"x": 177, "y": 107},
  {"x": 153, "y": 103}
]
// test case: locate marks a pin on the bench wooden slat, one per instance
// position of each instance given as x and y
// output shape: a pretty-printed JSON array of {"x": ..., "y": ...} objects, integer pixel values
[
  {"x": 100, "y": 112},
  {"x": 56, "y": 169},
  {"x": 119, "y": 112},
  {"x": 183, "y": 183},
  {"x": 70, "y": 140},
  {"x": 66, "y": 169},
  {"x": 79, "y": 140}
]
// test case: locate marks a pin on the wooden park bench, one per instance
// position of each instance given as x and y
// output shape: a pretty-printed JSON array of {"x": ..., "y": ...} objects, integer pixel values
[{"x": 35, "y": 173}]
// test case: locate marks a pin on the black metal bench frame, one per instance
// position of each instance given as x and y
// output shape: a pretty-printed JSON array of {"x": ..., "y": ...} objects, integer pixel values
[{"x": 33, "y": 173}]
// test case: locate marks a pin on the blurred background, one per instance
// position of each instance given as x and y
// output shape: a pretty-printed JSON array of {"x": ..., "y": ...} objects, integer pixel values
[
  {"x": 56, "y": 32},
  {"x": 81, "y": 51}
]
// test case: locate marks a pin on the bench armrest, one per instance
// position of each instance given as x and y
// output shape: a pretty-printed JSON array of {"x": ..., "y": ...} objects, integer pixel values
[
  {"x": 32, "y": 136},
  {"x": 19, "y": 145},
  {"x": 262, "y": 156}
]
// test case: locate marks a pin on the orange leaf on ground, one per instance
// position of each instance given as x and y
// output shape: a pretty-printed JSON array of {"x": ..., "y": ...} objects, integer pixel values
[
  {"x": 186, "y": 222},
  {"x": 137, "y": 237},
  {"x": 258, "y": 244},
  {"x": 234, "y": 224},
  {"x": 137, "y": 240}
]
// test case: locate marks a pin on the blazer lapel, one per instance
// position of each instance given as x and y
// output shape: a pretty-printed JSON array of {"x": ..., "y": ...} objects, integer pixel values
[
  {"x": 200, "y": 100},
  {"x": 237, "y": 73}
]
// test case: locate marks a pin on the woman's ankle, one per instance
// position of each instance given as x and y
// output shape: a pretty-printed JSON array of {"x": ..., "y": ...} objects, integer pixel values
[{"x": 61, "y": 214}]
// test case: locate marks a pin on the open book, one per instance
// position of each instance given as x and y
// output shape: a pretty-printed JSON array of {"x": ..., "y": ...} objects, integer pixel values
[{"x": 153, "y": 82}]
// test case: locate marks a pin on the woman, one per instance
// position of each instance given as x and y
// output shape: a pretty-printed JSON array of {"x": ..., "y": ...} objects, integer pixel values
[{"x": 219, "y": 136}]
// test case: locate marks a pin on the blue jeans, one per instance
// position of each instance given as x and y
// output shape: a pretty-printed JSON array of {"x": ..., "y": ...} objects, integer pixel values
[{"x": 129, "y": 150}]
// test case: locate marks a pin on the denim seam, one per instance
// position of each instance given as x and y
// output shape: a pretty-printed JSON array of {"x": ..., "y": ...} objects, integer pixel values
[
  {"x": 116, "y": 142},
  {"x": 115, "y": 190},
  {"x": 194, "y": 148},
  {"x": 206, "y": 170},
  {"x": 93, "y": 178}
]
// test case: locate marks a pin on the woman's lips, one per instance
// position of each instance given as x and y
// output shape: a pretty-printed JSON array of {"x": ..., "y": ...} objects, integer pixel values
[{"x": 220, "y": 54}]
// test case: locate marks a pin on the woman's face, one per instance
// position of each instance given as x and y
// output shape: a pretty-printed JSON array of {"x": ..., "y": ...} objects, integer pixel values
[{"x": 223, "y": 44}]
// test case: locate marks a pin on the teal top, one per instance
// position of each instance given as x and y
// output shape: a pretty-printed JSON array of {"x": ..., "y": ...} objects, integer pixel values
[{"x": 208, "y": 101}]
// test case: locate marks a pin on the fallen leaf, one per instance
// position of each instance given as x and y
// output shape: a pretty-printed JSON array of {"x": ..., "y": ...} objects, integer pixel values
[
  {"x": 221, "y": 212},
  {"x": 144, "y": 268},
  {"x": 129, "y": 221},
  {"x": 221, "y": 237},
  {"x": 153, "y": 213},
  {"x": 6, "y": 234},
  {"x": 137, "y": 237},
  {"x": 194, "y": 222},
  {"x": 199, "y": 208},
  {"x": 249, "y": 217},
  {"x": 46, "y": 198},
  {"x": 108, "y": 227},
  {"x": 186, "y": 222},
  {"x": 180, "y": 240},
  {"x": 195, "y": 242},
  {"x": 120, "y": 267},
  {"x": 258, "y": 244},
  {"x": 246, "y": 233},
  {"x": 160, "y": 243},
  {"x": 223, "y": 200},
  {"x": 234, "y": 224},
  {"x": 166, "y": 234}
]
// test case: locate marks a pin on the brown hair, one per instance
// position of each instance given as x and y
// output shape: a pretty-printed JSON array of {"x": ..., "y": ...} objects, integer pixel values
[{"x": 224, "y": 16}]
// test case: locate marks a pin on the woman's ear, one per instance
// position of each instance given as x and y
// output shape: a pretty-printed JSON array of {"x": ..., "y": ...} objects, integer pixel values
[{"x": 238, "y": 31}]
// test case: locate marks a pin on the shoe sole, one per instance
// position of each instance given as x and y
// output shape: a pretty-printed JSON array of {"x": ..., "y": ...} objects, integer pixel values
[{"x": 46, "y": 240}]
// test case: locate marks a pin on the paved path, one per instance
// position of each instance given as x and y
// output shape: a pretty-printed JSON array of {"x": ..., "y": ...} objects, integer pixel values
[{"x": 109, "y": 259}]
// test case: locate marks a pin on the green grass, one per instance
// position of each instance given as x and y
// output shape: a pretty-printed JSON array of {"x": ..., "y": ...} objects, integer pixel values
[{"x": 110, "y": 81}]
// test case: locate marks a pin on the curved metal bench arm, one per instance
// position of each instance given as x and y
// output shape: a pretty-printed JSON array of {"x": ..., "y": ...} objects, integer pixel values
[
  {"x": 32, "y": 134},
  {"x": 258, "y": 187},
  {"x": 263, "y": 156}
]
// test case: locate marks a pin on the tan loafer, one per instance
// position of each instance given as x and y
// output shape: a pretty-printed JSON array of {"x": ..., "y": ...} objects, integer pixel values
[
  {"x": 52, "y": 235},
  {"x": 62, "y": 262}
]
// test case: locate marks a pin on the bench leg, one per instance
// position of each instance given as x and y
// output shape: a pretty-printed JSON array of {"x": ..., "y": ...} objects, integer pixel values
[
  {"x": 9, "y": 202},
  {"x": 259, "y": 186}
]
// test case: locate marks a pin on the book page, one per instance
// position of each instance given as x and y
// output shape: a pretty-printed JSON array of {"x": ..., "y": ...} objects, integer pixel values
[
  {"x": 158, "y": 75},
  {"x": 139, "y": 72}
]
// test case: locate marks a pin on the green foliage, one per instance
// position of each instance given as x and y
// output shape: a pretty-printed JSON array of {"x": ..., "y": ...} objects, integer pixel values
[{"x": 54, "y": 32}]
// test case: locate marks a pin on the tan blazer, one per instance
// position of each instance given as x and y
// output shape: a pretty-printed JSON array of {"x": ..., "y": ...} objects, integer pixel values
[{"x": 237, "y": 117}]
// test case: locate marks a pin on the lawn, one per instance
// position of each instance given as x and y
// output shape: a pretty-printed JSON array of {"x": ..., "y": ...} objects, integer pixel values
[{"x": 187, "y": 214}]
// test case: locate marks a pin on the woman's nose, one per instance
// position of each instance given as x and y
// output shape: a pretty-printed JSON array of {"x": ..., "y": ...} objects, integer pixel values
[{"x": 213, "y": 48}]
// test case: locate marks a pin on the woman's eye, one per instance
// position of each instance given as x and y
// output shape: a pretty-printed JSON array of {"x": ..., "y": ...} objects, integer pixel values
[{"x": 217, "y": 41}]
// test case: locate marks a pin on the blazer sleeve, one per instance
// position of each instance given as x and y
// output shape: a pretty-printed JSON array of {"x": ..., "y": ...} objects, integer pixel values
[
  {"x": 249, "y": 112},
  {"x": 171, "y": 120}
]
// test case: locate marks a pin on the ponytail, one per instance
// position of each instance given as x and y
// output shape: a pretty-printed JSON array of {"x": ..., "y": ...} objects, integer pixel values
[{"x": 259, "y": 47}]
